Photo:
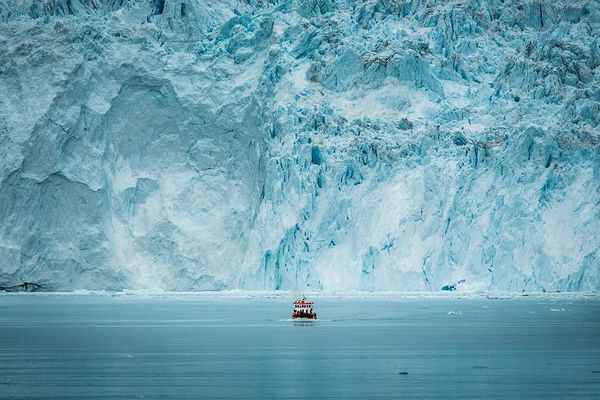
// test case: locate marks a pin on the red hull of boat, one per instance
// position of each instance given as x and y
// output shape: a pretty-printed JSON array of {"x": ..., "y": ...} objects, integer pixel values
[{"x": 304, "y": 316}]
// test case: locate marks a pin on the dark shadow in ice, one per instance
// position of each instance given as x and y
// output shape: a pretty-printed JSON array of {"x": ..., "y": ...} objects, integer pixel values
[{"x": 23, "y": 287}]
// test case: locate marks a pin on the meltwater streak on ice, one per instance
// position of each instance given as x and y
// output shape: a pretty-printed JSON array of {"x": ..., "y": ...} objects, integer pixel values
[
  {"x": 168, "y": 347},
  {"x": 300, "y": 144}
]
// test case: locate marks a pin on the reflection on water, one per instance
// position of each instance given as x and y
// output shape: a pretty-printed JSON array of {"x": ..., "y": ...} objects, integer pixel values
[
  {"x": 304, "y": 323},
  {"x": 209, "y": 348}
]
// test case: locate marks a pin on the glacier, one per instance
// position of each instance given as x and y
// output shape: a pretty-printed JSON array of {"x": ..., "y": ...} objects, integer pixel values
[{"x": 376, "y": 145}]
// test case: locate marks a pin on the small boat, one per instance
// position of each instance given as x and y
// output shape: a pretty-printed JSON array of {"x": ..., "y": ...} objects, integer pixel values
[{"x": 304, "y": 310}]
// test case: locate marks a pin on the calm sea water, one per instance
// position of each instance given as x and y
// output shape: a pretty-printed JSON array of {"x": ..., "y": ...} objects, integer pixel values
[{"x": 129, "y": 347}]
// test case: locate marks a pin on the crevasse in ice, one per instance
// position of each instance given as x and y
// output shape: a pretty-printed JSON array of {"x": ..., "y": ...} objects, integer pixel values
[{"x": 320, "y": 144}]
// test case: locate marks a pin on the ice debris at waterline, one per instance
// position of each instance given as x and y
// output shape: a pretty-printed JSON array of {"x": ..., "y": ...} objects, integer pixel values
[{"x": 320, "y": 144}]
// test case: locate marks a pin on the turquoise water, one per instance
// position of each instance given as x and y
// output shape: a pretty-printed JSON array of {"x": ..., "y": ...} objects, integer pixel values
[{"x": 128, "y": 347}]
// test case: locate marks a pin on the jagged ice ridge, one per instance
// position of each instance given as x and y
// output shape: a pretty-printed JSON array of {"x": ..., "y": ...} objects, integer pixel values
[{"x": 305, "y": 144}]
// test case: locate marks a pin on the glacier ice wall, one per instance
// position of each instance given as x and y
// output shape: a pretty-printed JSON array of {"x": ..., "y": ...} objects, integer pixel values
[{"x": 322, "y": 144}]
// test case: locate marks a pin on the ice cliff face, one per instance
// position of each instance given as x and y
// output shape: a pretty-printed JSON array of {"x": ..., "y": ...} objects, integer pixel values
[{"x": 323, "y": 144}]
